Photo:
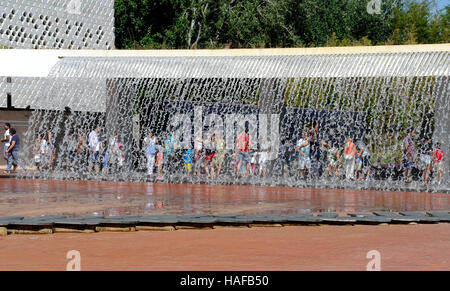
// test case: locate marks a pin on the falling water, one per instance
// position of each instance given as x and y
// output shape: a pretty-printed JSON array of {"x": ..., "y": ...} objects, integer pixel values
[{"x": 373, "y": 98}]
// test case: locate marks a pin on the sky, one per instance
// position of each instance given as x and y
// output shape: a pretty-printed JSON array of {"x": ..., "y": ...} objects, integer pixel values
[{"x": 442, "y": 3}]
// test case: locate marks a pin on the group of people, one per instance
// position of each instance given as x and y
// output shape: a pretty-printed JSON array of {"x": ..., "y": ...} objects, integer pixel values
[
  {"x": 207, "y": 158},
  {"x": 314, "y": 156},
  {"x": 80, "y": 151},
  {"x": 318, "y": 156},
  {"x": 430, "y": 155}
]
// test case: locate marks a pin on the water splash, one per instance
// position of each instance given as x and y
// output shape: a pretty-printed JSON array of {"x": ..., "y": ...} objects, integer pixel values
[{"x": 373, "y": 98}]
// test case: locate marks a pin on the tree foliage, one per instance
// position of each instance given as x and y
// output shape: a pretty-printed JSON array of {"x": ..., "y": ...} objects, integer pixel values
[{"x": 192, "y": 24}]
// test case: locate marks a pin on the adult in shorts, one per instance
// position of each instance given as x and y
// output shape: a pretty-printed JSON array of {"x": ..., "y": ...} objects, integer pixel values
[
  {"x": 438, "y": 161},
  {"x": 219, "y": 158},
  {"x": 426, "y": 150},
  {"x": 94, "y": 150},
  {"x": 408, "y": 154},
  {"x": 304, "y": 159},
  {"x": 13, "y": 152},
  {"x": 242, "y": 151},
  {"x": 210, "y": 153},
  {"x": 350, "y": 159}
]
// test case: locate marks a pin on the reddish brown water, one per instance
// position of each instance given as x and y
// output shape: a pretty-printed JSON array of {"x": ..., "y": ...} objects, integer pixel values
[{"x": 77, "y": 198}]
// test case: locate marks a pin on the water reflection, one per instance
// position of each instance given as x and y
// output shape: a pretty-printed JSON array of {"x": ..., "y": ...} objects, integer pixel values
[{"x": 33, "y": 197}]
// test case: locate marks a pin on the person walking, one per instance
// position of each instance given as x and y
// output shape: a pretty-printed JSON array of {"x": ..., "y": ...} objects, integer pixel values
[
  {"x": 364, "y": 156},
  {"x": 426, "y": 152},
  {"x": 169, "y": 154},
  {"x": 210, "y": 153},
  {"x": 408, "y": 154},
  {"x": 219, "y": 158},
  {"x": 438, "y": 161},
  {"x": 199, "y": 156},
  {"x": 6, "y": 140},
  {"x": 303, "y": 148},
  {"x": 242, "y": 150},
  {"x": 13, "y": 152},
  {"x": 94, "y": 150},
  {"x": 349, "y": 156},
  {"x": 286, "y": 154},
  {"x": 150, "y": 153}
]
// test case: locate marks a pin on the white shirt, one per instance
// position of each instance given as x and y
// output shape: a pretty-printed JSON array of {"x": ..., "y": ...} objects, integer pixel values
[
  {"x": 113, "y": 144},
  {"x": 254, "y": 158},
  {"x": 8, "y": 143},
  {"x": 43, "y": 147},
  {"x": 263, "y": 156},
  {"x": 94, "y": 144},
  {"x": 198, "y": 145}
]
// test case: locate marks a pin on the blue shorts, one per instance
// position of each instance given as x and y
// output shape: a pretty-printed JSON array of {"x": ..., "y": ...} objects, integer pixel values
[
  {"x": 243, "y": 157},
  {"x": 408, "y": 165},
  {"x": 366, "y": 161},
  {"x": 93, "y": 158}
]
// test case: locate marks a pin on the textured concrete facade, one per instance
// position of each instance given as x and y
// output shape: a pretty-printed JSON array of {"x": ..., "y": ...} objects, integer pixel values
[{"x": 61, "y": 24}]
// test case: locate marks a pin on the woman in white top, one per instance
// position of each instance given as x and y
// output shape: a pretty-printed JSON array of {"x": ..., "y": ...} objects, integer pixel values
[
  {"x": 263, "y": 157},
  {"x": 6, "y": 139}
]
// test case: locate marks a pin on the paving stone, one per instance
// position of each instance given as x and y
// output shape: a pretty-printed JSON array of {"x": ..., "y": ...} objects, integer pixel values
[
  {"x": 76, "y": 222},
  {"x": 299, "y": 218},
  {"x": 240, "y": 220},
  {"x": 158, "y": 220},
  {"x": 372, "y": 219},
  {"x": 11, "y": 218},
  {"x": 342, "y": 220},
  {"x": 438, "y": 213},
  {"x": 5, "y": 221},
  {"x": 442, "y": 216},
  {"x": 119, "y": 220},
  {"x": 422, "y": 217},
  {"x": 187, "y": 216},
  {"x": 360, "y": 214},
  {"x": 327, "y": 215},
  {"x": 88, "y": 217},
  {"x": 30, "y": 222},
  {"x": 198, "y": 220},
  {"x": 254, "y": 219},
  {"x": 302, "y": 220},
  {"x": 396, "y": 218},
  {"x": 227, "y": 215},
  {"x": 49, "y": 218},
  {"x": 68, "y": 221}
]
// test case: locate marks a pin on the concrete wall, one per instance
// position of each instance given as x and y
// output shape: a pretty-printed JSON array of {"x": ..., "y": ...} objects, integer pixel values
[{"x": 68, "y": 24}]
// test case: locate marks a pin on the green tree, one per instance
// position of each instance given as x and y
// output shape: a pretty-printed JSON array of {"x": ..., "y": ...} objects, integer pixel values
[{"x": 195, "y": 24}]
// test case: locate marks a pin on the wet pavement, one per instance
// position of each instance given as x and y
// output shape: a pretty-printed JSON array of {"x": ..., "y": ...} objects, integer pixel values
[{"x": 83, "y": 198}]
